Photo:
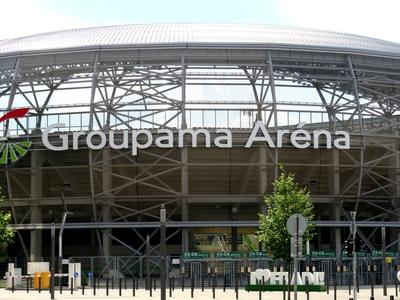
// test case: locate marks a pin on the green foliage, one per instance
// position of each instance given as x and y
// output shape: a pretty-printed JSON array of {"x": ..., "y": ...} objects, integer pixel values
[
  {"x": 6, "y": 233},
  {"x": 287, "y": 199}
]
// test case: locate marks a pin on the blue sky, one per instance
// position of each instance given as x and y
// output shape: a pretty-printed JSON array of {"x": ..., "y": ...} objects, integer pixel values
[{"x": 366, "y": 17}]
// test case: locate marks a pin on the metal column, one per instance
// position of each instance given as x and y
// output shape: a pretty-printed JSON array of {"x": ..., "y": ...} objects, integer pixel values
[{"x": 36, "y": 213}]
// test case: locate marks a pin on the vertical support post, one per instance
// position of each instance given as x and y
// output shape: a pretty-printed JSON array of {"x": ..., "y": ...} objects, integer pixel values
[
  {"x": 36, "y": 213},
  {"x": 107, "y": 185},
  {"x": 163, "y": 219},
  {"x": 53, "y": 259},
  {"x": 184, "y": 161},
  {"x": 184, "y": 193},
  {"x": 361, "y": 125},
  {"x": 334, "y": 190},
  {"x": 91, "y": 125},
  {"x": 384, "y": 266},
  {"x": 262, "y": 158},
  {"x": 147, "y": 251},
  {"x": 354, "y": 233},
  {"x": 274, "y": 107}
]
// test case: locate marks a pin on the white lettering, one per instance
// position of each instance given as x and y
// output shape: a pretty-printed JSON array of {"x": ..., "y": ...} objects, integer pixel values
[
  {"x": 165, "y": 141},
  {"x": 103, "y": 140},
  {"x": 194, "y": 134},
  {"x": 342, "y": 142},
  {"x": 224, "y": 141},
  {"x": 328, "y": 137},
  {"x": 63, "y": 137},
  {"x": 75, "y": 139},
  {"x": 300, "y": 135},
  {"x": 279, "y": 138},
  {"x": 135, "y": 143},
  {"x": 123, "y": 145},
  {"x": 254, "y": 138}
]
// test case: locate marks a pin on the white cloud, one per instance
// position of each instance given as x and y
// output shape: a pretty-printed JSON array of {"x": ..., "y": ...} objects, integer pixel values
[{"x": 379, "y": 19}]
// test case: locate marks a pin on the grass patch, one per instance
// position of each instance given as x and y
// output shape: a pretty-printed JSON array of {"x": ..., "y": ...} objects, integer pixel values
[{"x": 277, "y": 288}]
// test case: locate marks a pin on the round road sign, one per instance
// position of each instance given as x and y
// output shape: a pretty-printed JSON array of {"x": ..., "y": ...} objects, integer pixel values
[{"x": 296, "y": 224}]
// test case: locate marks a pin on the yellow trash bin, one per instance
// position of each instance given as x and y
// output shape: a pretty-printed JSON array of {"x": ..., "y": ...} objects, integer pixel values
[
  {"x": 45, "y": 280},
  {"x": 36, "y": 277}
]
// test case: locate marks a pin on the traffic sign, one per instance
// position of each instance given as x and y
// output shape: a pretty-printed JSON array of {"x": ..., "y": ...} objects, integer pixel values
[
  {"x": 296, "y": 225},
  {"x": 76, "y": 274}
]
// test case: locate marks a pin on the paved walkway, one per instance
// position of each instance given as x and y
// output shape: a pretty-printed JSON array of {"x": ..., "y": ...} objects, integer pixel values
[{"x": 141, "y": 294}]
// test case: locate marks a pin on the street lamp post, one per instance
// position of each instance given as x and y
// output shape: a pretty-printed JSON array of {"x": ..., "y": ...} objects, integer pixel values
[{"x": 163, "y": 219}]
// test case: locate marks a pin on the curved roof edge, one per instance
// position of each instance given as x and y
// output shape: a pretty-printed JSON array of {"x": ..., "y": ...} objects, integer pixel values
[{"x": 195, "y": 36}]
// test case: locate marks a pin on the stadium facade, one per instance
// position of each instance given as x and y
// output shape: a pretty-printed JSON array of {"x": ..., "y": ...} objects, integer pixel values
[{"x": 124, "y": 119}]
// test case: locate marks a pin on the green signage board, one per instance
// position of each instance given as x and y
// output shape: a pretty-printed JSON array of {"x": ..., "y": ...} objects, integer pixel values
[
  {"x": 257, "y": 254},
  {"x": 195, "y": 255},
  {"x": 228, "y": 255},
  {"x": 323, "y": 254},
  {"x": 378, "y": 253}
]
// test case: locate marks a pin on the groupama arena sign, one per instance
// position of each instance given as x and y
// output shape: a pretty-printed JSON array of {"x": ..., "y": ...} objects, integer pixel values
[
  {"x": 167, "y": 138},
  {"x": 11, "y": 150}
]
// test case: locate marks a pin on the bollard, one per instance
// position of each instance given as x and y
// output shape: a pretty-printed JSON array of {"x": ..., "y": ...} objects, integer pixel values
[
  {"x": 372, "y": 287},
  {"x": 170, "y": 287},
  {"x": 173, "y": 283},
  {"x": 155, "y": 283},
  {"x": 224, "y": 282},
  {"x": 137, "y": 283},
  {"x": 107, "y": 285},
  {"x": 248, "y": 283},
  {"x": 27, "y": 284},
  {"x": 60, "y": 282},
  {"x": 40, "y": 284},
  {"x": 236, "y": 287},
  {"x": 259, "y": 292},
  {"x": 307, "y": 289},
  {"x": 72, "y": 286},
  {"x": 94, "y": 286},
  {"x": 125, "y": 284},
  {"x": 192, "y": 287},
  {"x": 120, "y": 286},
  {"x": 151, "y": 288},
  {"x": 349, "y": 285},
  {"x": 133, "y": 286},
  {"x": 202, "y": 283},
  {"x": 83, "y": 289},
  {"x": 213, "y": 286},
  {"x": 12, "y": 284},
  {"x": 327, "y": 284},
  {"x": 334, "y": 289},
  {"x": 112, "y": 282},
  {"x": 391, "y": 297},
  {"x": 182, "y": 283},
  {"x": 395, "y": 286},
  {"x": 284, "y": 288}
]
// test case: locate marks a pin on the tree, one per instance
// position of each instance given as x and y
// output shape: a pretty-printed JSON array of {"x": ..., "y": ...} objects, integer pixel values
[
  {"x": 287, "y": 199},
  {"x": 6, "y": 233}
]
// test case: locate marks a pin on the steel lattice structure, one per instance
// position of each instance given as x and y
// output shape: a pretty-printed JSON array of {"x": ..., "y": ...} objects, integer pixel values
[{"x": 200, "y": 76}]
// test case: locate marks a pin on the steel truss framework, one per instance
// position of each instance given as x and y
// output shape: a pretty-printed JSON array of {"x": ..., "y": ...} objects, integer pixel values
[{"x": 156, "y": 88}]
